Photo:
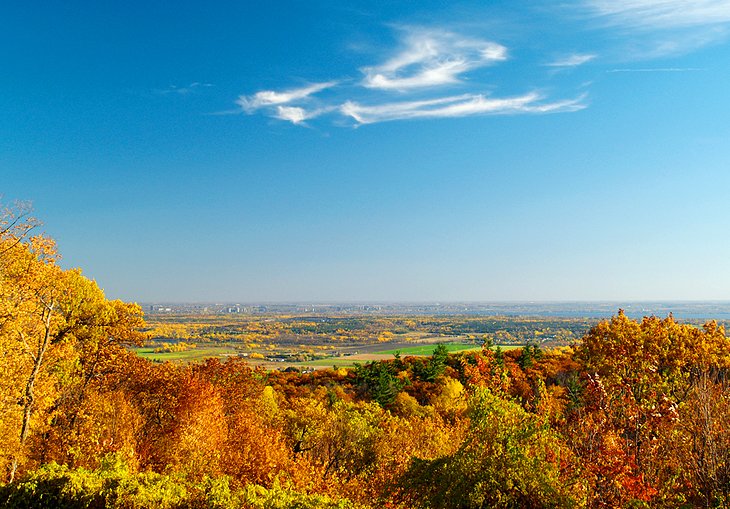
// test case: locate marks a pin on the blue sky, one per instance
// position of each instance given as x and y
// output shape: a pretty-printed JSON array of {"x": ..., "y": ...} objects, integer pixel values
[{"x": 325, "y": 151}]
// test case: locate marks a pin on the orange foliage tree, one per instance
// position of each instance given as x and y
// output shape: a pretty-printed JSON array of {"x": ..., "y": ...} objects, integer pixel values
[{"x": 639, "y": 375}]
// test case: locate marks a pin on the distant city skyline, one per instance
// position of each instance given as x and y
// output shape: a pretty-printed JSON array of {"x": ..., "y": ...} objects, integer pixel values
[
  {"x": 697, "y": 312},
  {"x": 375, "y": 151}
]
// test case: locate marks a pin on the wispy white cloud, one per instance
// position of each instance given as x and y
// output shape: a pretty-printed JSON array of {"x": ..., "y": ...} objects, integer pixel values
[
  {"x": 183, "y": 90},
  {"x": 661, "y": 28},
  {"x": 457, "y": 106},
  {"x": 657, "y": 69},
  {"x": 431, "y": 58},
  {"x": 265, "y": 98},
  {"x": 426, "y": 62},
  {"x": 572, "y": 60},
  {"x": 297, "y": 115},
  {"x": 662, "y": 13},
  {"x": 293, "y": 114}
]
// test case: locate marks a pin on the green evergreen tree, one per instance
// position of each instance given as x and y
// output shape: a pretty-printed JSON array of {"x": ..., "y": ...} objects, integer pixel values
[{"x": 380, "y": 381}]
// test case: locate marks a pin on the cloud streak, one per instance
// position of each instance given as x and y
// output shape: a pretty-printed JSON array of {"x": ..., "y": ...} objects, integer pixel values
[
  {"x": 661, "y": 28},
  {"x": 266, "y": 98},
  {"x": 458, "y": 106},
  {"x": 572, "y": 60},
  {"x": 657, "y": 69},
  {"x": 184, "y": 90},
  {"x": 658, "y": 14},
  {"x": 298, "y": 115},
  {"x": 431, "y": 58}
]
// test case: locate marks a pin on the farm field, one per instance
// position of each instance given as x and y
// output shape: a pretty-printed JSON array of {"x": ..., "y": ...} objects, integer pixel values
[
  {"x": 428, "y": 349},
  {"x": 278, "y": 340},
  {"x": 272, "y": 357},
  {"x": 192, "y": 355}
]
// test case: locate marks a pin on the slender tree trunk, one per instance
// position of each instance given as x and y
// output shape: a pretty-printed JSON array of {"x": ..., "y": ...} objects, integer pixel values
[{"x": 29, "y": 399}]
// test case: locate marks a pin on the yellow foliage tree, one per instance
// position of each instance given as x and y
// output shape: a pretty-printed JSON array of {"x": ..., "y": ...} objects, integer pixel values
[{"x": 51, "y": 322}]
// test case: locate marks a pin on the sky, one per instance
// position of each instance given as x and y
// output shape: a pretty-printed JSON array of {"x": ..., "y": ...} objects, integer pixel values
[{"x": 375, "y": 151}]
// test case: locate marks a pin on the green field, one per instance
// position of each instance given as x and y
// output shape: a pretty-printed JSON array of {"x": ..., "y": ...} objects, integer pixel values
[
  {"x": 191, "y": 355},
  {"x": 349, "y": 362},
  {"x": 337, "y": 362},
  {"x": 428, "y": 349},
  {"x": 226, "y": 350},
  {"x": 451, "y": 347}
]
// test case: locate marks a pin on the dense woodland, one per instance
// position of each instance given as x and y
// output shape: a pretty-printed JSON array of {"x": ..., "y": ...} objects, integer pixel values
[{"x": 635, "y": 414}]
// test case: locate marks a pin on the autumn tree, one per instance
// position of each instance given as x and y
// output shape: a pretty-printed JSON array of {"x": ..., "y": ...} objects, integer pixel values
[
  {"x": 32, "y": 285},
  {"x": 49, "y": 316},
  {"x": 638, "y": 377},
  {"x": 430, "y": 369},
  {"x": 703, "y": 445},
  {"x": 508, "y": 458},
  {"x": 380, "y": 381}
]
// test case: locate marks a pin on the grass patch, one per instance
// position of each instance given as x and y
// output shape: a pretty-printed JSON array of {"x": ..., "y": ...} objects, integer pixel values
[
  {"x": 200, "y": 353},
  {"x": 428, "y": 349},
  {"x": 451, "y": 347},
  {"x": 191, "y": 355},
  {"x": 338, "y": 362}
]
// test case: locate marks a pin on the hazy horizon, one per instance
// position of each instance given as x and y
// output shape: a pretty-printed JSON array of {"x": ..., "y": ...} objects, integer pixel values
[{"x": 683, "y": 310}]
